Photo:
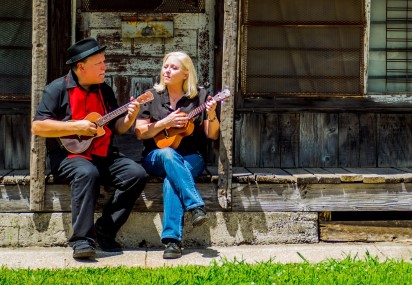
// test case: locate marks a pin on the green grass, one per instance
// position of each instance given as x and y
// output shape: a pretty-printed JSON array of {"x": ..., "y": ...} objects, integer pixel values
[{"x": 348, "y": 271}]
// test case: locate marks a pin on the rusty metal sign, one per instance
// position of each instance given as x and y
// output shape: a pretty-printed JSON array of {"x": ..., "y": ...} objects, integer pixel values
[{"x": 147, "y": 29}]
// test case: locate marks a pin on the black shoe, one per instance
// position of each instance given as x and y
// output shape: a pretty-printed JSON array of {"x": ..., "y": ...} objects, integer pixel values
[
  {"x": 199, "y": 216},
  {"x": 83, "y": 249},
  {"x": 173, "y": 250},
  {"x": 108, "y": 244}
]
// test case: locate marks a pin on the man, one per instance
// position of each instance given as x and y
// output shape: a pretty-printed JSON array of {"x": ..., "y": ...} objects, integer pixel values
[{"x": 60, "y": 117}]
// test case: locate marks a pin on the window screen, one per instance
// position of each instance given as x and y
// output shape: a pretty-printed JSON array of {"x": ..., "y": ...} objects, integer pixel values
[
  {"x": 161, "y": 6},
  {"x": 302, "y": 47},
  {"x": 390, "y": 47},
  {"x": 15, "y": 49}
]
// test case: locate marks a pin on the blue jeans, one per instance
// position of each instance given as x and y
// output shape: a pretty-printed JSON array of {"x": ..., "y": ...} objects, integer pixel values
[{"x": 179, "y": 188}]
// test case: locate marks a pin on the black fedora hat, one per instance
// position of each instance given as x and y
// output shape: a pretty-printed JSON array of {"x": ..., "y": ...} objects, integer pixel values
[{"x": 83, "y": 49}]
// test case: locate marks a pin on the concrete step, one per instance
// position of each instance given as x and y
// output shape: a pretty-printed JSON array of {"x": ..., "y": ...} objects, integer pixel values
[{"x": 143, "y": 229}]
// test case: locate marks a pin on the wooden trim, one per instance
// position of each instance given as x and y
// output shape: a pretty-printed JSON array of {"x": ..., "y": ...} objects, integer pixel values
[
  {"x": 252, "y": 197},
  {"x": 229, "y": 73},
  {"x": 366, "y": 40},
  {"x": 39, "y": 76},
  {"x": 369, "y": 103},
  {"x": 57, "y": 198},
  {"x": 366, "y": 231},
  {"x": 15, "y": 97},
  {"x": 253, "y": 190}
]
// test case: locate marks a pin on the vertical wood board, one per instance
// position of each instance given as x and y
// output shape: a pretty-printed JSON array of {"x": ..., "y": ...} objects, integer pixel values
[
  {"x": 16, "y": 149},
  {"x": 395, "y": 136},
  {"x": 2, "y": 138},
  {"x": 349, "y": 140},
  {"x": 289, "y": 140},
  {"x": 318, "y": 140},
  {"x": 269, "y": 141},
  {"x": 250, "y": 145},
  {"x": 368, "y": 140}
]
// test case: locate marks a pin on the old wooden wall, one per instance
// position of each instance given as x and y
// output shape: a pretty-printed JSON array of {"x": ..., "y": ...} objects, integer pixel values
[
  {"x": 319, "y": 139},
  {"x": 134, "y": 64},
  {"x": 14, "y": 135}
]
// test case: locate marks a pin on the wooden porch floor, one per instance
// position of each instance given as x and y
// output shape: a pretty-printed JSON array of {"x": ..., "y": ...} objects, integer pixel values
[{"x": 252, "y": 190}]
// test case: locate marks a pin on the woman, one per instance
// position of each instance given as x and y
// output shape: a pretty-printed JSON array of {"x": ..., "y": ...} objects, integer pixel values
[{"x": 174, "y": 97}]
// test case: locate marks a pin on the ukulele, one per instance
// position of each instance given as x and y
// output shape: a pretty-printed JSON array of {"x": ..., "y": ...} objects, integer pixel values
[
  {"x": 78, "y": 144},
  {"x": 171, "y": 137}
]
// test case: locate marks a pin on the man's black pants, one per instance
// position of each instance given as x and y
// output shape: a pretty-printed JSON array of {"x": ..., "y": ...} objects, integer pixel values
[{"x": 85, "y": 177}]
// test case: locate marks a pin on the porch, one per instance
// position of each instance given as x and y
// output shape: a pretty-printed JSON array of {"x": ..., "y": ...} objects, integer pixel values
[{"x": 264, "y": 206}]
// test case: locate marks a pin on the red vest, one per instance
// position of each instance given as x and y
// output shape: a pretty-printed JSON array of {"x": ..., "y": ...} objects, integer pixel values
[{"x": 83, "y": 103}]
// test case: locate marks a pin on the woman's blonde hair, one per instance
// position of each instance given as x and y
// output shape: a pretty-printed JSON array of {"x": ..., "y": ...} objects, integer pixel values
[{"x": 190, "y": 84}]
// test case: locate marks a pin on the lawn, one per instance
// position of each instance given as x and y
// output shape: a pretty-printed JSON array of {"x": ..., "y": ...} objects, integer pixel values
[{"x": 368, "y": 270}]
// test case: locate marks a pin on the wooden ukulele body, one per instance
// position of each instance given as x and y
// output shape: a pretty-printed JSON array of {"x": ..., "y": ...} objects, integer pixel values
[{"x": 171, "y": 137}]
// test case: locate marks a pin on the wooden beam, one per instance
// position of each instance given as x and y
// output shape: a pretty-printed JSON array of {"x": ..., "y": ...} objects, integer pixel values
[
  {"x": 366, "y": 231},
  {"x": 292, "y": 197},
  {"x": 229, "y": 71},
  {"x": 246, "y": 197},
  {"x": 57, "y": 198},
  {"x": 39, "y": 77}
]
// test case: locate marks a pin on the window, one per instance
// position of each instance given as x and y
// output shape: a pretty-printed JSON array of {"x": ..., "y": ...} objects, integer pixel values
[
  {"x": 390, "y": 47},
  {"x": 298, "y": 47},
  {"x": 15, "y": 49}
]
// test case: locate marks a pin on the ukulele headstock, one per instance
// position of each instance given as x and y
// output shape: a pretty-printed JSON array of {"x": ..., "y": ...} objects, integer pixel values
[
  {"x": 145, "y": 97},
  {"x": 225, "y": 93}
]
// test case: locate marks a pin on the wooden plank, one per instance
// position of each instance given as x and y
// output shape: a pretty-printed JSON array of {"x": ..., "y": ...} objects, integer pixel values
[
  {"x": 289, "y": 140},
  {"x": 301, "y": 175},
  {"x": 318, "y": 140},
  {"x": 345, "y": 175},
  {"x": 366, "y": 231},
  {"x": 322, "y": 197},
  {"x": 272, "y": 175},
  {"x": 15, "y": 198},
  {"x": 367, "y": 140},
  {"x": 213, "y": 172},
  {"x": 16, "y": 154},
  {"x": 324, "y": 176},
  {"x": 349, "y": 140},
  {"x": 58, "y": 30},
  {"x": 249, "y": 137},
  {"x": 407, "y": 174},
  {"x": 39, "y": 79},
  {"x": 248, "y": 195},
  {"x": 206, "y": 42},
  {"x": 368, "y": 103},
  {"x": 269, "y": 155},
  {"x": 183, "y": 39},
  {"x": 16, "y": 176},
  {"x": 392, "y": 175},
  {"x": 242, "y": 175},
  {"x": 2, "y": 139},
  {"x": 379, "y": 175},
  {"x": 229, "y": 80},
  {"x": 395, "y": 135}
]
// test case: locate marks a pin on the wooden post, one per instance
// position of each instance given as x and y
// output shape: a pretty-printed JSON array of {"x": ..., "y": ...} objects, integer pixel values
[
  {"x": 229, "y": 71},
  {"x": 39, "y": 78}
]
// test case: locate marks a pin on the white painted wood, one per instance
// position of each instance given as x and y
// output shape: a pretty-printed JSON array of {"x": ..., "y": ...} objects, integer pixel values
[{"x": 141, "y": 57}]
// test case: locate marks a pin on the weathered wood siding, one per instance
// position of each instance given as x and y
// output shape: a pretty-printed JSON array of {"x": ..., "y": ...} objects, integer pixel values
[
  {"x": 14, "y": 135},
  {"x": 133, "y": 64},
  {"x": 318, "y": 139}
]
